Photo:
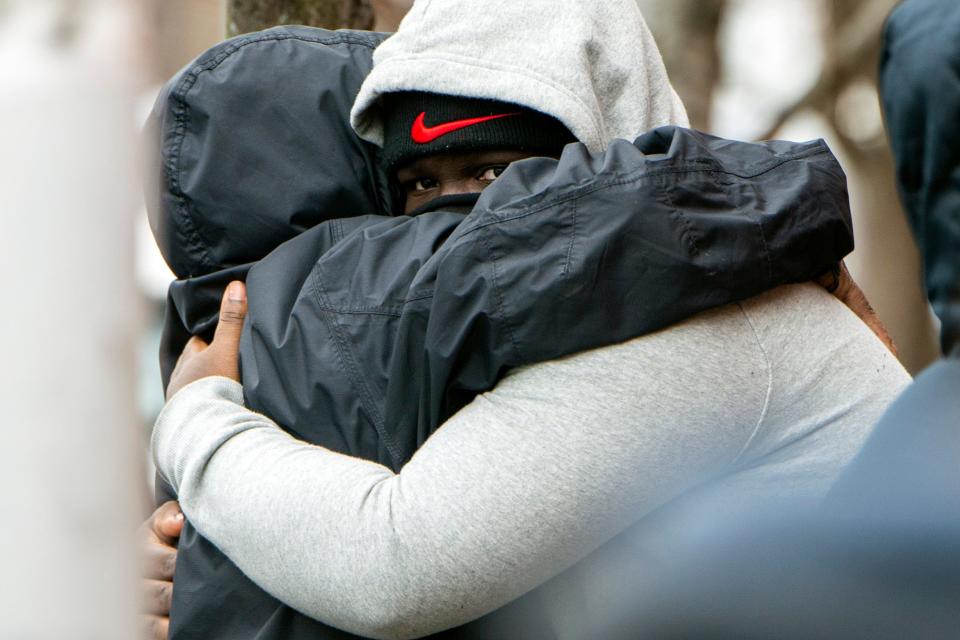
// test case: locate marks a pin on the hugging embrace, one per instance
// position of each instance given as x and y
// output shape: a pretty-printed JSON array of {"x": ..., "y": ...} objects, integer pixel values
[{"x": 590, "y": 320}]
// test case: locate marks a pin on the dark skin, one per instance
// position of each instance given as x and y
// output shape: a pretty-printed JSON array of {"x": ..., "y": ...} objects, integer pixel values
[
  {"x": 450, "y": 174},
  {"x": 158, "y": 539},
  {"x": 424, "y": 180}
]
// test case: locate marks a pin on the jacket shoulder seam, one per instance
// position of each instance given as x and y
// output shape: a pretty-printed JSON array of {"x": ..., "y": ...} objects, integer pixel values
[
  {"x": 498, "y": 297},
  {"x": 350, "y": 368}
]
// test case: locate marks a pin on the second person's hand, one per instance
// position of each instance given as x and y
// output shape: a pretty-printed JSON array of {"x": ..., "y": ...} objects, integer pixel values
[
  {"x": 159, "y": 536},
  {"x": 222, "y": 356}
]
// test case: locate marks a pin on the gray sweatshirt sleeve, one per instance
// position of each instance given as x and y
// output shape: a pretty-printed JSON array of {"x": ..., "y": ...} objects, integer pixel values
[{"x": 518, "y": 486}]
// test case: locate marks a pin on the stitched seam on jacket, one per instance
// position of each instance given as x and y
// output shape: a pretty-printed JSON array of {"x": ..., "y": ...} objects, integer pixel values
[
  {"x": 349, "y": 366},
  {"x": 581, "y": 192},
  {"x": 174, "y": 170},
  {"x": 499, "y": 298},
  {"x": 573, "y": 240},
  {"x": 180, "y": 96},
  {"x": 691, "y": 235},
  {"x": 394, "y": 311},
  {"x": 766, "y": 252},
  {"x": 361, "y": 311}
]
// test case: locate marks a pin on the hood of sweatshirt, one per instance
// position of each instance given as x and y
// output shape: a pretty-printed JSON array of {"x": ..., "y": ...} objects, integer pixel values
[{"x": 592, "y": 65}]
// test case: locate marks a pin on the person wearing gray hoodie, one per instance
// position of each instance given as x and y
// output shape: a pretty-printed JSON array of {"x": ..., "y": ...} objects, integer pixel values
[{"x": 769, "y": 398}]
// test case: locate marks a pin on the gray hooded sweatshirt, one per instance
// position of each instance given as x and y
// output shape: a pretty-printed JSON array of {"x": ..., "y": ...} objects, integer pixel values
[{"x": 765, "y": 399}]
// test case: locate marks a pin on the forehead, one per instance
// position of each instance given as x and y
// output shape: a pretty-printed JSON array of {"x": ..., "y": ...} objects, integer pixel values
[{"x": 455, "y": 164}]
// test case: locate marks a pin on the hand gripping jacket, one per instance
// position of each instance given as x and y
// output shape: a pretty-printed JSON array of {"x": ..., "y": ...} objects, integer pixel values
[{"x": 365, "y": 332}]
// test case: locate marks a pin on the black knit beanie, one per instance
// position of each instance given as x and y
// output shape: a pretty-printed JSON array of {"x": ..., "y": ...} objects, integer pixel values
[{"x": 424, "y": 124}]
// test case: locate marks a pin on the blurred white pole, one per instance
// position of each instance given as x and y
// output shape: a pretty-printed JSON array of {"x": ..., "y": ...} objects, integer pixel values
[{"x": 69, "y": 320}]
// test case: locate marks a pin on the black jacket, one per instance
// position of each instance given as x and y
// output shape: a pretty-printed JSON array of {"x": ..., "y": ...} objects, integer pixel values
[
  {"x": 920, "y": 84},
  {"x": 365, "y": 333}
]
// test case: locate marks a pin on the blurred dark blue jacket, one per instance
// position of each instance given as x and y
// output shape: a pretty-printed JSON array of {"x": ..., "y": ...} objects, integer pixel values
[{"x": 920, "y": 84}]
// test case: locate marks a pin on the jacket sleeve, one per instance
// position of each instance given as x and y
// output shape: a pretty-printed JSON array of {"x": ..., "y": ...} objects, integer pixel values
[
  {"x": 560, "y": 256},
  {"x": 642, "y": 236}
]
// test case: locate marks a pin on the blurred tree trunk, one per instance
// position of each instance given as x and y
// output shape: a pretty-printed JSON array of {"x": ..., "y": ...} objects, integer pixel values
[
  {"x": 244, "y": 16},
  {"x": 687, "y": 33},
  {"x": 389, "y": 13},
  {"x": 184, "y": 30}
]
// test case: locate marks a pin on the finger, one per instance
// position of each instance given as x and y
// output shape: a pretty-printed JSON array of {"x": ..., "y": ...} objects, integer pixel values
[
  {"x": 233, "y": 310},
  {"x": 166, "y": 523},
  {"x": 850, "y": 293},
  {"x": 156, "y": 627},
  {"x": 859, "y": 303},
  {"x": 885, "y": 337},
  {"x": 160, "y": 562},
  {"x": 157, "y": 597}
]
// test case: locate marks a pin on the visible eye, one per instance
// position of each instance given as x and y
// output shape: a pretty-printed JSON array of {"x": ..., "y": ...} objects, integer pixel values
[
  {"x": 422, "y": 184},
  {"x": 492, "y": 173}
]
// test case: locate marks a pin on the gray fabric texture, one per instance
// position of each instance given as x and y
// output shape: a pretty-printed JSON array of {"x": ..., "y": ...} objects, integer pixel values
[
  {"x": 509, "y": 50},
  {"x": 769, "y": 398}
]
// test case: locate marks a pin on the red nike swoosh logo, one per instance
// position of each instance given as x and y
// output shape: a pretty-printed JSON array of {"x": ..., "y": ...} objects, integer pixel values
[{"x": 422, "y": 134}]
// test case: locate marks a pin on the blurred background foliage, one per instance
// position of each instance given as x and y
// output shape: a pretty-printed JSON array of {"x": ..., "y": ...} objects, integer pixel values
[{"x": 252, "y": 15}]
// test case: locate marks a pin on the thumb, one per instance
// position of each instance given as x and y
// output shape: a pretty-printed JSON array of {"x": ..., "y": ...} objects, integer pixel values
[
  {"x": 233, "y": 310},
  {"x": 164, "y": 525},
  {"x": 168, "y": 523}
]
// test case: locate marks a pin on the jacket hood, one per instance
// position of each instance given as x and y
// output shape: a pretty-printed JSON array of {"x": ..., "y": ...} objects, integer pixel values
[
  {"x": 592, "y": 65},
  {"x": 255, "y": 147}
]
